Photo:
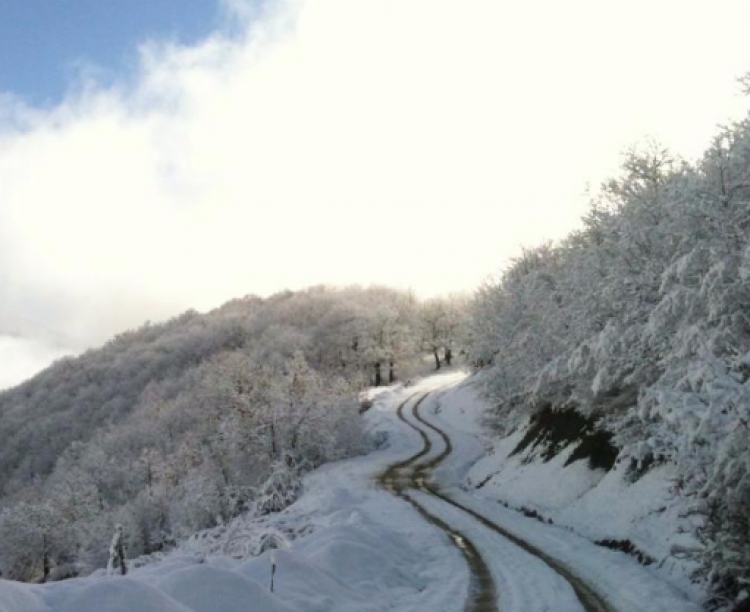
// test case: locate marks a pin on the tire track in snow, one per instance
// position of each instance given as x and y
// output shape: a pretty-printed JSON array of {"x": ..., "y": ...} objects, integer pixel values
[
  {"x": 589, "y": 598},
  {"x": 399, "y": 477}
]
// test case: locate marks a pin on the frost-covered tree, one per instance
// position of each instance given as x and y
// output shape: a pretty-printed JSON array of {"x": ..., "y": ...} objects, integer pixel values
[
  {"x": 179, "y": 426},
  {"x": 443, "y": 327},
  {"x": 117, "y": 553},
  {"x": 388, "y": 334},
  {"x": 32, "y": 541},
  {"x": 639, "y": 319}
]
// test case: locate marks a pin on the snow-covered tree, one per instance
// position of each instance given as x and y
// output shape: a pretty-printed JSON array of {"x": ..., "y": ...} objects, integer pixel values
[
  {"x": 32, "y": 540},
  {"x": 117, "y": 553},
  {"x": 178, "y": 426},
  {"x": 442, "y": 327},
  {"x": 640, "y": 320}
]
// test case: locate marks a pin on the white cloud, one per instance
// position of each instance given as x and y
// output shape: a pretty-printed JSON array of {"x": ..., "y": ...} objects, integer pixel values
[
  {"x": 410, "y": 142},
  {"x": 22, "y": 358}
]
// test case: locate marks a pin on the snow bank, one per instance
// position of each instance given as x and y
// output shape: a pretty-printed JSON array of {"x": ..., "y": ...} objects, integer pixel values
[
  {"x": 598, "y": 504},
  {"x": 18, "y": 597},
  {"x": 228, "y": 592},
  {"x": 116, "y": 595},
  {"x": 300, "y": 581},
  {"x": 350, "y": 562}
]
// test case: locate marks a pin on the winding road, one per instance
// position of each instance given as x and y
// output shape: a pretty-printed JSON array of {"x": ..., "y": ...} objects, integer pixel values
[{"x": 411, "y": 480}]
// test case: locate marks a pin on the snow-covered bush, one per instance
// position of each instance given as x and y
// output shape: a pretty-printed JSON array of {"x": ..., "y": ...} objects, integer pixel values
[
  {"x": 705, "y": 429},
  {"x": 282, "y": 487}
]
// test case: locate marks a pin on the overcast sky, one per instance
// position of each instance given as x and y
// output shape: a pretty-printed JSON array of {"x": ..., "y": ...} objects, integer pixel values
[{"x": 247, "y": 148}]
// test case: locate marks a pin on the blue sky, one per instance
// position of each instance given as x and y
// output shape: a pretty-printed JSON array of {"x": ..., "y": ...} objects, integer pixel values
[{"x": 45, "y": 43}]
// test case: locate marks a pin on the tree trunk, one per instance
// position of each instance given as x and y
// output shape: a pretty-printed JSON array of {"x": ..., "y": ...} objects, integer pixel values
[
  {"x": 391, "y": 373},
  {"x": 45, "y": 562},
  {"x": 298, "y": 427},
  {"x": 437, "y": 359},
  {"x": 378, "y": 375},
  {"x": 121, "y": 558},
  {"x": 273, "y": 441},
  {"x": 448, "y": 356}
]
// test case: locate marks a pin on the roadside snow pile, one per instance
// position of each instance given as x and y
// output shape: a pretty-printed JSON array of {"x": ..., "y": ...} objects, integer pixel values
[
  {"x": 229, "y": 592},
  {"x": 354, "y": 566},
  {"x": 17, "y": 597},
  {"x": 122, "y": 595}
]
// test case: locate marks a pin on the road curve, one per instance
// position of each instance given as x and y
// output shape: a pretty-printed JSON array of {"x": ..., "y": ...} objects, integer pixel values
[
  {"x": 405, "y": 475},
  {"x": 589, "y": 598},
  {"x": 402, "y": 476}
]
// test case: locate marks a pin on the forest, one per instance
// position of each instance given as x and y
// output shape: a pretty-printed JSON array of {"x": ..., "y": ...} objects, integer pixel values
[
  {"x": 640, "y": 321},
  {"x": 181, "y": 426}
]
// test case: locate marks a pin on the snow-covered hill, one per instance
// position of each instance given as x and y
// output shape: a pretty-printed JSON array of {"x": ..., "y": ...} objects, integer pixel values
[{"x": 180, "y": 426}]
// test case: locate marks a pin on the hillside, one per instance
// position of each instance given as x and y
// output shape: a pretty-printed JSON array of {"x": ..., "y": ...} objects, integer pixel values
[
  {"x": 638, "y": 324},
  {"x": 179, "y": 426}
]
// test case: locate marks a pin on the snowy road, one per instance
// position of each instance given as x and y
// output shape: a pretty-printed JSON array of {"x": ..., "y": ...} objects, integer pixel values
[
  {"x": 415, "y": 473},
  {"x": 508, "y": 572},
  {"x": 406, "y": 475}
]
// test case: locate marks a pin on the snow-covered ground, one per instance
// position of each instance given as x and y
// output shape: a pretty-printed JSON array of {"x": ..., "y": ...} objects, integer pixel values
[
  {"x": 356, "y": 547},
  {"x": 615, "y": 510},
  {"x": 597, "y": 504}
]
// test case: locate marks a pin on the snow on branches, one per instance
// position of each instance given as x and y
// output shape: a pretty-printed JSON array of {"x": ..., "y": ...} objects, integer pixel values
[
  {"x": 182, "y": 426},
  {"x": 641, "y": 318}
]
